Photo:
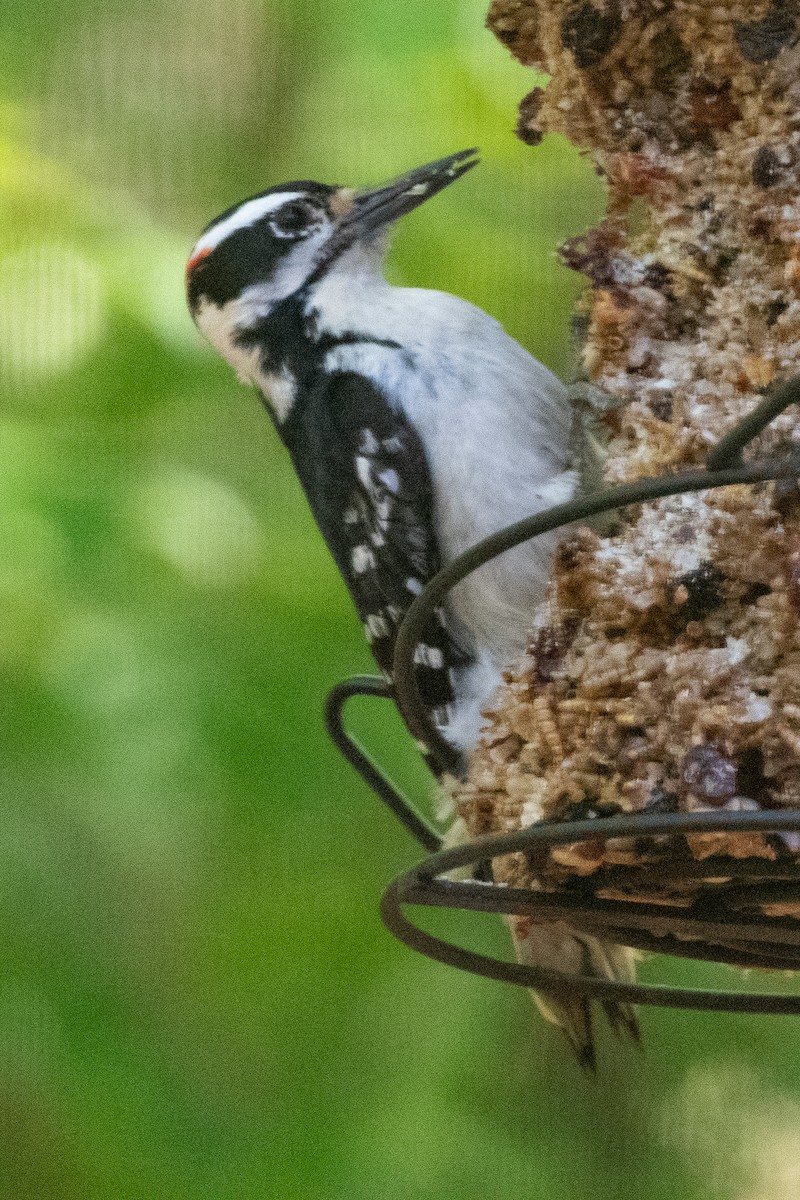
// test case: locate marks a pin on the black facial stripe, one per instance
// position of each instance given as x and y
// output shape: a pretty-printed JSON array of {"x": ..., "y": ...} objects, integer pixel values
[
  {"x": 329, "y": 342},
  {"x": 242, "y": 259},
  {"x": 251, "y": 254},
  {"x": 289, "y": 341},
  {"x": 281, "y": 336}
]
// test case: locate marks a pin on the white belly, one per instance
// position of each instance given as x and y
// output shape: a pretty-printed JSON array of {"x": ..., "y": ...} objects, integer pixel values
[{"x": 496, "y": 426}]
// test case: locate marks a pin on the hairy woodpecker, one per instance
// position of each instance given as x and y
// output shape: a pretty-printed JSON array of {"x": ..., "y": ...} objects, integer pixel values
[{"x": 417, "y": 427}]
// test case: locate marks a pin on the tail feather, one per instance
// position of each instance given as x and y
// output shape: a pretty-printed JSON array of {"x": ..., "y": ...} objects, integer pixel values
[
  {"x": 573, "y": 1016},
  {"x": 558, "y": 948},
  {"x": 610, "y": 961}
]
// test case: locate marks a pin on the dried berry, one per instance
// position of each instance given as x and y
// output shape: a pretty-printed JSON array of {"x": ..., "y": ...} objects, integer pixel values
[
  {"x": 505, "y": 35},
  {"x": 608, "y": 808},
  {"x": 528, "y": 130},
  {"x": 482, "y": 871},
  {"x": 698, "y": 592},
  {"x": 760, "y": 227},
  {"x": 579, "y": 810},
  {"x": 638, "y": 174},
  {"x": 722, "y": 265},
  {"x": 786, "y": 497},
  {"x": 712, "y": 107},
  {"x": 593, "y": 254},
  {"x": 767, "y": 168},
  {"x": 709, "y": 774},
  {"x": 754, "y": 592},
  {"x": 761, "y": 41},
  {"x": 549, "y": 647},
  {"x": 657, "y": 276},
  {"x": 662, "y": 406},
  {"x": 750, "y": 774},
  {"x": 589, "y": 33},
  {"x": 567, "y": 556},
  {"x": 592, "y": 849}
]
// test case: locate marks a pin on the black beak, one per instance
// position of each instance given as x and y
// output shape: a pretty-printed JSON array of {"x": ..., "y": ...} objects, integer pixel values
[{"x": 374, "y": 210}]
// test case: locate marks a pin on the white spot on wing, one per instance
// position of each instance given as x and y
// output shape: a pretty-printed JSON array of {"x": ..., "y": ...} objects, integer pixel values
[
  {"x": 362, "y": 559},
  {"x": 364, "y": 472},
  {"x": 390, "y": 479},
  {"x": 377, "y": 627},
  {"x": 429, "y": 656},
  {"x": 367, "y": 442}
]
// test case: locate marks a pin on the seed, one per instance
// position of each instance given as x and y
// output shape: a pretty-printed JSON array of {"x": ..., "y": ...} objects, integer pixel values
[{"x": 709, "y": 774}]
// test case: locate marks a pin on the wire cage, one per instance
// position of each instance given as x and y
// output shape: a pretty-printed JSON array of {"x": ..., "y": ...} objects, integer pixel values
[{"x": 726, "y": 922}]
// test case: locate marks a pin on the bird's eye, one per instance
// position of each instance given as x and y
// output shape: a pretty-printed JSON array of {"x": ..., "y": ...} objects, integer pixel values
[{"x": 295, "y": 219}]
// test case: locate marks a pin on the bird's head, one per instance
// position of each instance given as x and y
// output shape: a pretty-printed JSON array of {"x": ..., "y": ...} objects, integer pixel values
[{"x": 271, "y": 246}]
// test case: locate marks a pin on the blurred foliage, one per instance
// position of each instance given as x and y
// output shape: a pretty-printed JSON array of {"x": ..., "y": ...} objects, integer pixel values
[{"x": 196, "y": 996}]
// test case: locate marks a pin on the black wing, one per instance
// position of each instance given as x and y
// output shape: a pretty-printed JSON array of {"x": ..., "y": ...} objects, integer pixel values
[{"x": 365, "y": 474}]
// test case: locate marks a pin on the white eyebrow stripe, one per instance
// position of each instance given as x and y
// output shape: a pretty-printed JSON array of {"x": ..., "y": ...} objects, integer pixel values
[{"x": 245, "y": 215}]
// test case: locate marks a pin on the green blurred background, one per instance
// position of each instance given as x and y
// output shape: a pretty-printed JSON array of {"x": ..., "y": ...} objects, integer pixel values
[{"x": 197, "y": 998}]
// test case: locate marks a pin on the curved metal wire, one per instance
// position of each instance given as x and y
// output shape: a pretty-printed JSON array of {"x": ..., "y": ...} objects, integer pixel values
[
  {"x": 420, "y": 612},
  {"x": 373, "y": 685},
  {"x": 750, "y": 940},
  {"x": 728, "y": 451}
]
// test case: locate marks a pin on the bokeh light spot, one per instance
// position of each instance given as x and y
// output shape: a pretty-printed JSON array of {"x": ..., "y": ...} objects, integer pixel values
[
  {"x": 51, "y": 313},
  {"x": 200, "y": 527}
]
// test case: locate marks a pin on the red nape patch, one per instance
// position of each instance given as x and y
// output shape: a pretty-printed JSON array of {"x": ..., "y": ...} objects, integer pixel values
[{"x": 195, "y": 259}]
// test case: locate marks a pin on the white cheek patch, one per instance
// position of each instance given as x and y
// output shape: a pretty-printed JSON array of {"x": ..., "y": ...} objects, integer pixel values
[
  {"x": 241, "y": 218},
  {"x": 218, "y": 326}
]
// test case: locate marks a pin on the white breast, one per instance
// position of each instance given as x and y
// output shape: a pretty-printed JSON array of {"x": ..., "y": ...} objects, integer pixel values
[{"x": 495, "y": 424}]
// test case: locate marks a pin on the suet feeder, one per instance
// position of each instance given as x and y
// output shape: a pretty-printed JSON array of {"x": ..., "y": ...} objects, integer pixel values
[
  {"x": 639, "y": 776},
  {"x": 719, "y": 908}
]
